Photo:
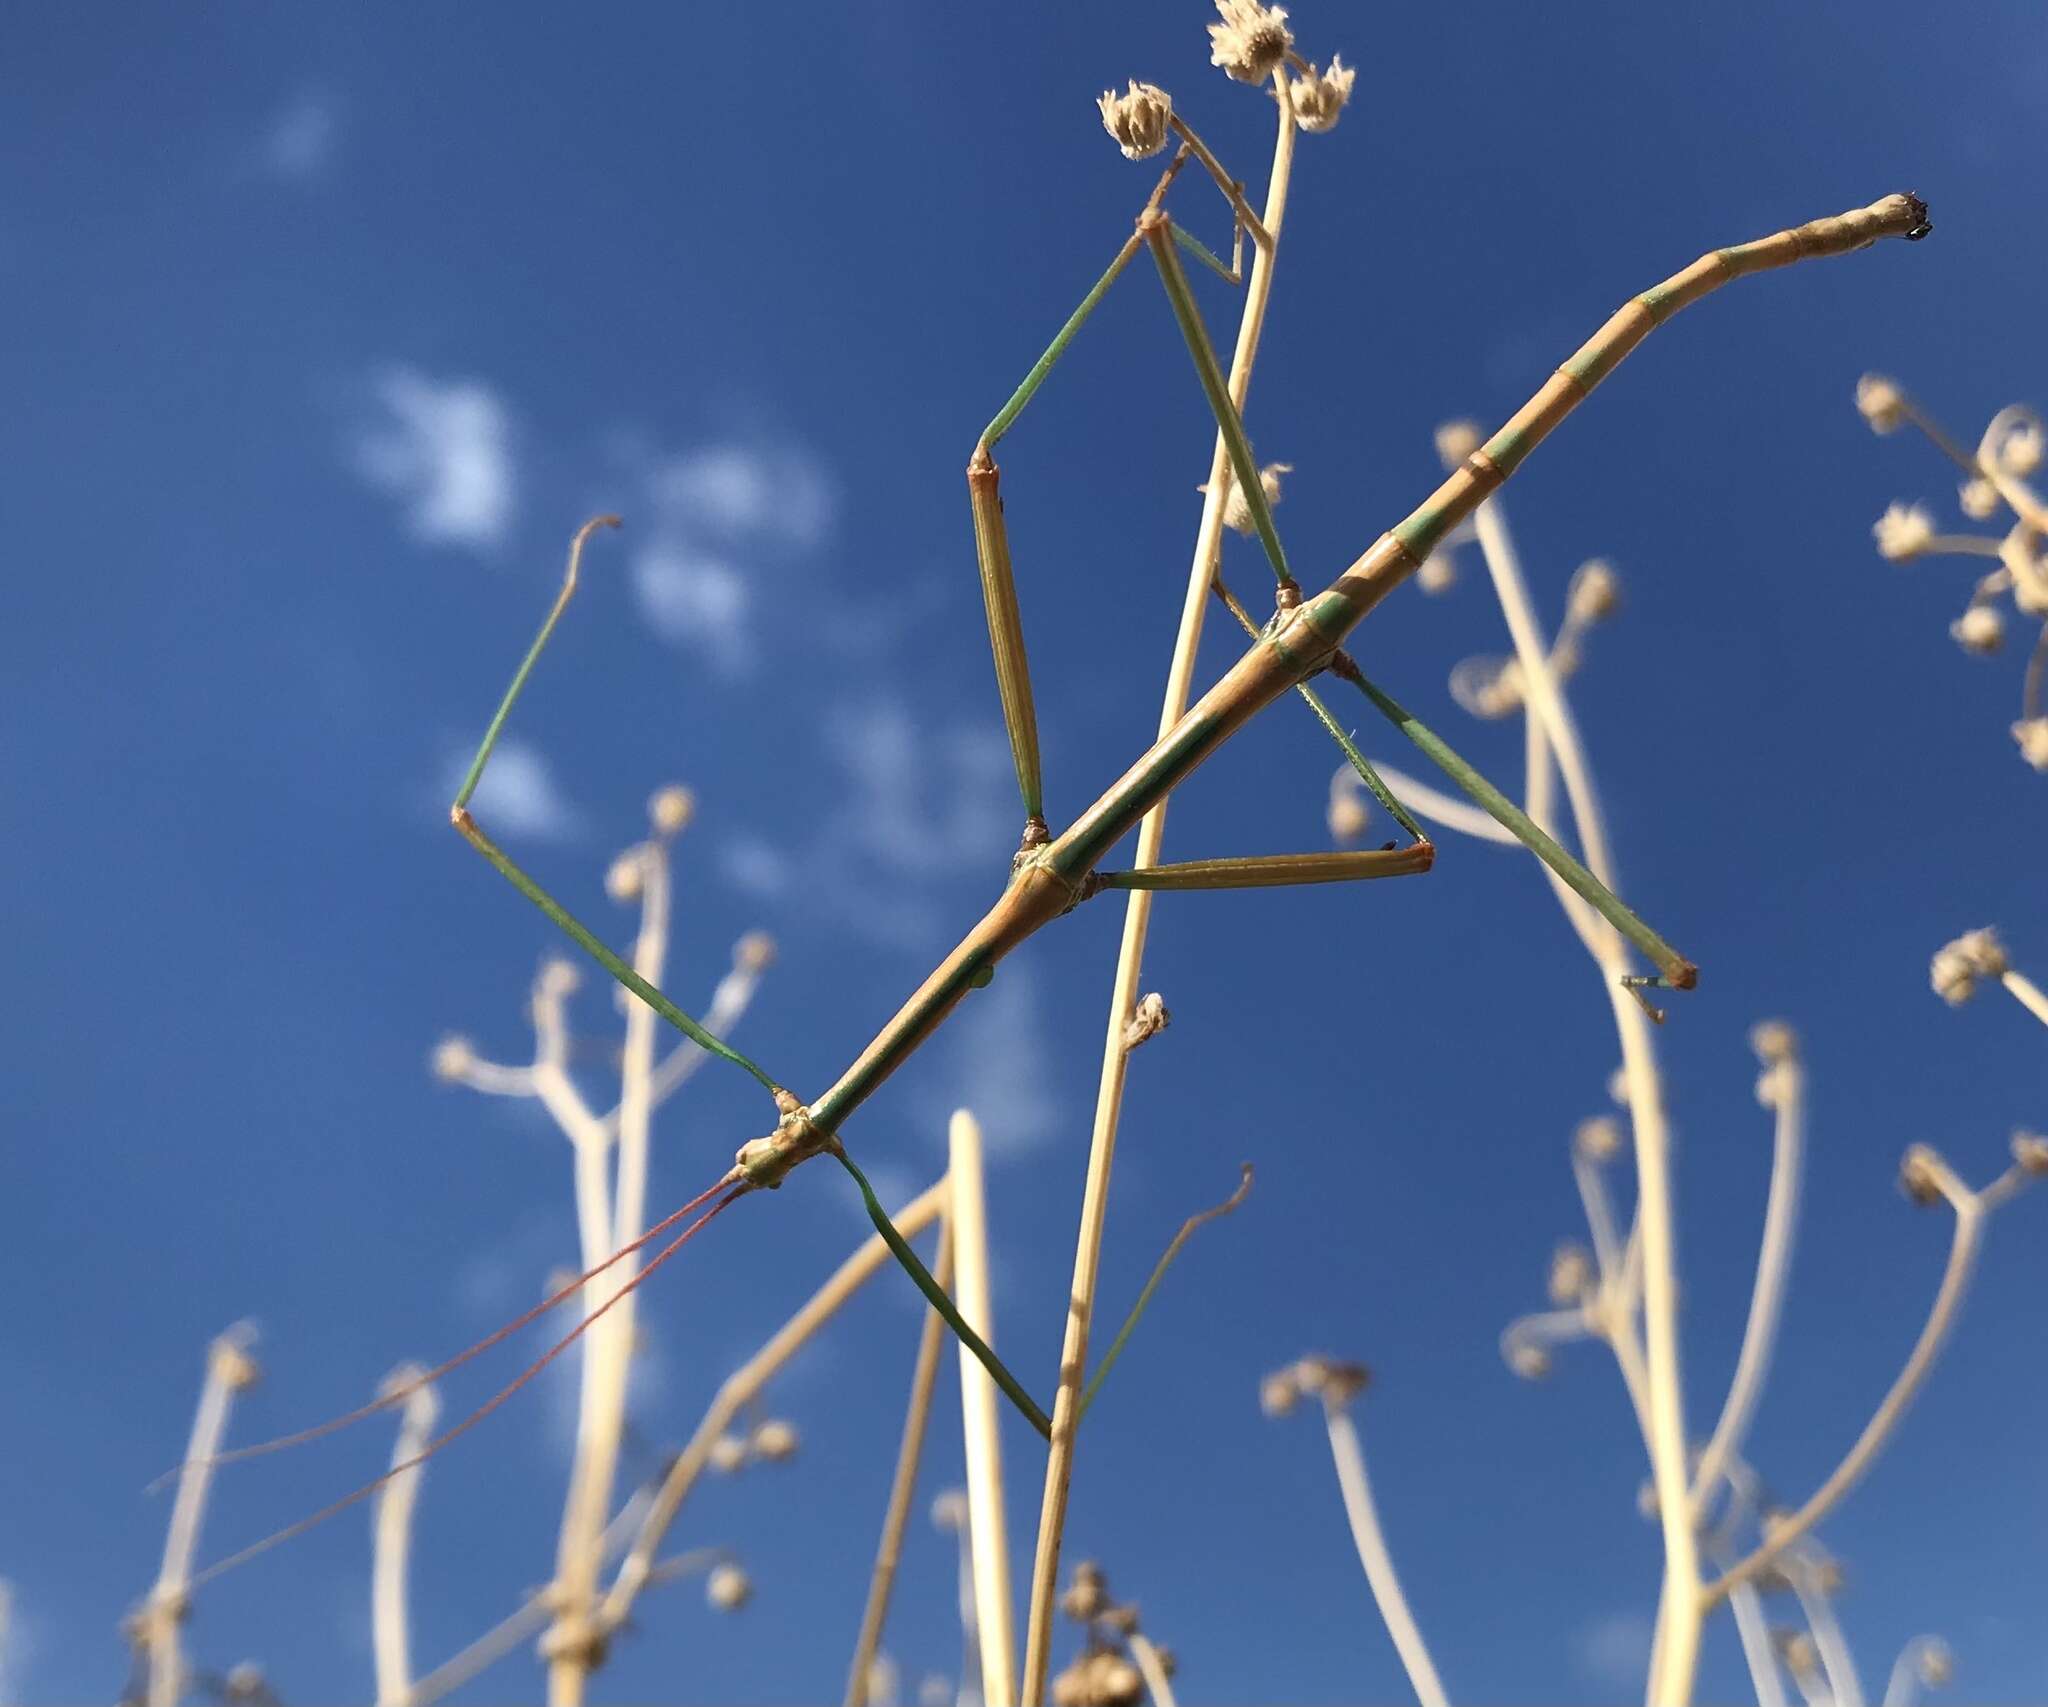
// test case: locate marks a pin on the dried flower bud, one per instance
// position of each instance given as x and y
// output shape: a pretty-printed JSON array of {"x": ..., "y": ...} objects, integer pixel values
[
  {"x": 1796, "y": 1648},
  {"x": 1957, "y": 966},
  {"x": 1456, "y": 440},
  {"x": 1137, "y": 119},
  {"x": 558, "y": 977},
  {"x": 1148, "y": 1019},
  {"x": 1279, "y": 1392},
  {"x": 1937, "y": 1663},
  {"x": 1320, "y": 96},
  {"x": 1531, "y": 1362},
  {"x": 1488, "y": 687},
  {"x": 1981, "y": 628},
  {"x": 245, "y": 1682},
  {"x": 1121, "y": 1620},
  {"x": 1598, "y": 1139},
  {"x": 2032, "y": 735},
  {"x": 1086, "y": 1595},
  {"x": 2030, "y": 1151},
  {"x": 670, "y": 809},
  {"x": 1774, "y": 1041},
  {"x": 1251, "y": 41},
  {"x": 228, "y": 1362},
  {"x": 1571, "y": 1274},
  {"x": 452, "y": 1059},
  {"x": 1337, "y": 1384},
  {"x": 728, "y": 1453},
  {"x": 1595, "y": 593},
  {"x": 1920, "y": 1174},
  {"x": 774, "y": 1440},
  {"x": 754, "y": 952},
  {"x": 626, "y": 877},
  {"x": 1237, "y": 511},
  {"x": 2019, "y": 452},
  {"x": 1438, "y": 574},
  {"x": 1349, "y": 815},
  {"x": 728, "y": 1588},
  {"x": 1978, "y": 498},
  {"x": 1881, "y": 402},
  {"x": 1169, "y": 1661},
  {"x": 1903, "y": 532}
]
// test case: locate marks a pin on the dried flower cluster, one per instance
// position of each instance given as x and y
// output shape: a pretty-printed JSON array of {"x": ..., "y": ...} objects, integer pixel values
[
  {"x": 1104, "y": 1673},
  {"x": 1335, "y": 1383}
]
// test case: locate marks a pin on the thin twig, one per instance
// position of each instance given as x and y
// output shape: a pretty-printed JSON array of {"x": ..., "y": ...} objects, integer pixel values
[
  {"x": 390, "y": 1636},
  {"x": 1152, "y": 1668}
]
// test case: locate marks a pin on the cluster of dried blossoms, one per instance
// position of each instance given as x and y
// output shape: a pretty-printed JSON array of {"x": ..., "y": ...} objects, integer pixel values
[
  {"x": 1994, "y": 483},
  {"x": 1109, "y": 1671}
]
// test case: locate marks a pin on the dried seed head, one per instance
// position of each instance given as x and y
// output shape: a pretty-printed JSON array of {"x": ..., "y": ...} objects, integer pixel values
[
  {"x": 1595, "y": 594},
  {"x": 1086, "y": 1594},
  {"x": 452, "y": 1059},
  {"x": 1148, "y": 1019},
  {"x": 1920, "y": 1174},
  {"x": 1237, "y": 512},
  {"x": 2019, "y": 451},
  {"x": 1251, "y": 41},
  {"x": 1903, "y": 532},
  {"x": 2032, "y": 735},
  {"x": 1169, "y": 1661},
  {"x": 623, "y": 882},
  {"x": 1571, "y": 1274},
  {"x": 1937, "y": 1663},
  {"x": 558, "y": 978},
  {"x": 1981, "y": 628},
  {"x": 774, "y": 1440},
  {"x": 1957, "y": 966},
  {"x": 1881, "y": 402},
  {"x": 1279, "y": 1392},
  {"x": 728, "y": 1453},
  {"x": 1598, "y": 1139},
  {"x": 1774, "y": 1041},
  {"x": 1137, "y": 119},
  {"x": 1340, "y": 1383},
  {"x": 1796, "y": 1648},
  {"x": 949, "y": 1510},
  {"x": 1320, "y": 96},
  {"x": 1349, "y": 815},
  {"x": 1488, "y": 687},
  {"x": 669, "y": 809},
  {"x": 1456, "y": 440},
  {"x": 728, "y": 1588},
  {"x": 228, "y": 1361},
  {"x": 245, "y": 1682},
  {"x": 1121, "y": 1620},
  {"x": 1103, "y": 1678},
  {"x": 1531, "y": 1362},
  {"x": 1978, "y": 498},
  {"x": 1438, "y": 574},
  {"x": 2030, "y": 1151},
  {"x": 755, "y": 952}
]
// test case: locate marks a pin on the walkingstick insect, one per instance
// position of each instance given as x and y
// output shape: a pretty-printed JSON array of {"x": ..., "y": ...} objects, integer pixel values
[{"x": 1054, "y": 871}]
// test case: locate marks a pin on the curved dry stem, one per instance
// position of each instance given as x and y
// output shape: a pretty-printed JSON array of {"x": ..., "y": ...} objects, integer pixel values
[
  {"x": 1059, "y": 1467},
  {"x": 1845, "y": 1688},
  {"x": 1379, "y": 1564},
  {"x": 391, "y": 1547},
  {"x": 1152, "y": 1669},
  {"x": 1767, "y": 1297},
  {"x": 2026, "y": 992},
  {"x": 1915, "y": 1660}
]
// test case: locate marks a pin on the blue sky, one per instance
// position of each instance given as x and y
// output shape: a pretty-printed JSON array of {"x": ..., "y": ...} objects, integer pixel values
[{"x": 327, "y": 326}]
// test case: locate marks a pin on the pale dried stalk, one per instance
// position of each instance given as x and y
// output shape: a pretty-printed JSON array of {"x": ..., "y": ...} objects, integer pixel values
[
  {"x": 1755, "y": 1631},
  {"x": 1378, "y": 1562},
  {"x": 1677, "y": 1649},
  {"x": 613, "y": 1219},
  {"x": 1059, "y": 1467},
  {"x": 739, "y": 1389},
  {"x": 1971, "y": 1210},
  {"x": 1845, "y": 1688},
  {"x": 1767, "y": 1297},
  {"x": 391, "y": 1542},
  {"x": 987, "y": 1521},
  {"x": 1904, "y": 1687},
  {"x": 1152, "y": 1669},
  {"x": 923, "y": 1378},
  {"x": 229, "y": 1369},
  {"x": 2027, "y": 993}
]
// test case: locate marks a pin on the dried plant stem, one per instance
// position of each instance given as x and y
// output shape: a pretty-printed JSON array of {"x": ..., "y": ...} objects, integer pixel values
[
  {"x": 1152, "y": 1669},
  {"x": 391, "y": 1547},
  {"x": 1755, "y": 1632},
  {"x": 1903, "y": 1689},
  {"x": 156, "y": 1624},
  {"x": 1059, "y": 1467},
  {"x": 1767, "y": 1297},
  {"x": 741, "y": 1386},
  {"x": 987, "y": 1520},
  {"x": 1677, "y": 1649},
  {"x": 1845, "y": 1688},
  {"x": 2027, "y": 993},
  {"x": 1378, "y": 1562},
  {"x": 903, "y": 1487},
  {"x": 1971, "y": 1210}
]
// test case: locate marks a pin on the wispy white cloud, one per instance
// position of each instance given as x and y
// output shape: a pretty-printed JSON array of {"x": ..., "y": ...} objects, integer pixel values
[
  {"x": 695, "y": 599},
  {"x": 518, "y": 795},
  {"x": 443, "y": 449},
  {"x": 1613, "y": 1652},
  {"x": 754, "y": 867},
  {"x": 995, "y": 1059},
  {"x": 301, "y": 139},
  {"x": 775, "y": 495}
]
